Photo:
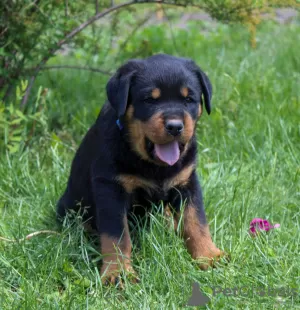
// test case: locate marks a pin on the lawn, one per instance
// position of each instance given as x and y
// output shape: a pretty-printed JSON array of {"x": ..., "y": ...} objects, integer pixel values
[{"x": 249, "y": 166}]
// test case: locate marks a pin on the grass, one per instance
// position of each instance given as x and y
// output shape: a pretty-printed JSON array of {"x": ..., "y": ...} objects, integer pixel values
[{"x": 249, "y": 155}]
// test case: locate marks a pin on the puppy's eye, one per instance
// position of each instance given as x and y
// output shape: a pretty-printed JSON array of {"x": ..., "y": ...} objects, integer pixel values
[
  {"x": 150, "y": 100},
  {"x": 188, "y": 100}
]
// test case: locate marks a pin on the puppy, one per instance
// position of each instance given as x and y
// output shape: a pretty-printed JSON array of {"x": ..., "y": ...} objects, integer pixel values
[{"x": 142, "y": 148}]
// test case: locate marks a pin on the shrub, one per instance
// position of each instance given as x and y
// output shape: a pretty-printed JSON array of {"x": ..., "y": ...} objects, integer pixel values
[
  {"x": 31, "y": 31},
  {"x": 18, "y": 126}
]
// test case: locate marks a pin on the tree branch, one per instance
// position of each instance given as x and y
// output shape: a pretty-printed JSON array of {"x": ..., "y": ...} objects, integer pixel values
[
  {"x": 74, "y": 67},
  {"x": 135, "y": 29}
]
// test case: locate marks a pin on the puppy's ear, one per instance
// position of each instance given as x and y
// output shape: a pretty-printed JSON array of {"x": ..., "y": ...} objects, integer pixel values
[
  {"x": 205, "y": 85},
  {"x": 118, "y": 87},
  {"x": 206, "y": 88}
]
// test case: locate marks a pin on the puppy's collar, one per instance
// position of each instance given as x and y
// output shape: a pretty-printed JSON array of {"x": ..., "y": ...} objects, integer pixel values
[{"x": 119, "y": 124}]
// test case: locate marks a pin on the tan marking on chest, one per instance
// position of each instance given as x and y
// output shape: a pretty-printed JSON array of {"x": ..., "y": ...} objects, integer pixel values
[
  {"x": 180, "y": 179},
  {"x": 132, "y": 182}
]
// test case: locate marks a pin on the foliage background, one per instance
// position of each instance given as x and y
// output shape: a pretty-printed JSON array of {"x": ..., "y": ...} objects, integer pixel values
[{"x": 248, "y": 148}]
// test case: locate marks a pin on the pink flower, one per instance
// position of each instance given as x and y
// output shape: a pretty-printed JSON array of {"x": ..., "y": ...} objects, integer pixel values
[{"x": 257, "y": 225}]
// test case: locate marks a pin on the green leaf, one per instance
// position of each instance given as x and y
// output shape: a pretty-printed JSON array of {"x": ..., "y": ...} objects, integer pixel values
[
  {"x": 21, "y": 114},
  {"x": 16, "y": 121},
  {"x": 84, "y": 282},
  {"x": 16, "y": 138},
  {"x": 13, "y": 148}
]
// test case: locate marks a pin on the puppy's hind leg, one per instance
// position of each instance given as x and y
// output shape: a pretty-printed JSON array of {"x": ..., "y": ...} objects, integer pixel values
[
  {"x": 64, "y": 205},
  {"x": 61, "y": 208}
]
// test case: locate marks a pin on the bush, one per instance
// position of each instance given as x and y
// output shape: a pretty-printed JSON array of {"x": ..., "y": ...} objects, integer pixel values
[
  {"x": 31, "y": 32},
  {"x": 18, "y": 126}
]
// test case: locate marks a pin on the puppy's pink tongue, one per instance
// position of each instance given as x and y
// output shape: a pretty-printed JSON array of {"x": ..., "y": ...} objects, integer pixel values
[{"x": 168, "y": 153}]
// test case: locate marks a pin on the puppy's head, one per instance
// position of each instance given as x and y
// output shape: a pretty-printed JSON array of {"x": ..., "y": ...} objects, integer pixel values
[{"x": 159, "y": 100}]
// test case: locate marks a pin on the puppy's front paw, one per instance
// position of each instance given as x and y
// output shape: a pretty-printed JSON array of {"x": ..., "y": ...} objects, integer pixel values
[
  {"x": 211, "y": 257},
  {"x": 111, "y": 273}
]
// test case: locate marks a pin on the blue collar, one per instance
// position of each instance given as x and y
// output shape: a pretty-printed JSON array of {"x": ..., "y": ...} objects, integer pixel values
[{"x": 119, "y": 124}]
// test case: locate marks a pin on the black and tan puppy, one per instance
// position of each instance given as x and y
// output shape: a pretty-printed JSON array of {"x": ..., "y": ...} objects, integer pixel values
[{"x": 143, "y": 148}]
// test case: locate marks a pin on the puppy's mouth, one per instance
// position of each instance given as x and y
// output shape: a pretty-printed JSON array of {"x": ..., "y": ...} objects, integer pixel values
[{"x": 168, "y": 153}]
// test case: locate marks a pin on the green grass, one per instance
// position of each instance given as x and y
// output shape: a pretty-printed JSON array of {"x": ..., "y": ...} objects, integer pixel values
[{"x": 249, "y": 154}]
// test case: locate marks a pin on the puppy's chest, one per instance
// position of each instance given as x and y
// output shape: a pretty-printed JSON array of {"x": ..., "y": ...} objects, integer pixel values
[{"x": 154, "y": 187}]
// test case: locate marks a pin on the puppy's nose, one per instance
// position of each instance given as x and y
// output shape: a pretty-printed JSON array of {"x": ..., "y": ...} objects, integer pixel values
[{"x": 174, "y": 127}]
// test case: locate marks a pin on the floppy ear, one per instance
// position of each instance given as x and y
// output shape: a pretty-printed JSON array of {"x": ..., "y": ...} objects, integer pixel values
[
  {"x": 204, "y": 83},
  {"x": 118, "y": 86},
  {"x": 206, "y": 88}
]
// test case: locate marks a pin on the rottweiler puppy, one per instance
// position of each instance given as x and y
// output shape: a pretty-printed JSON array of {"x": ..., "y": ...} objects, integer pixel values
[{"x": 143, "y": 148}]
